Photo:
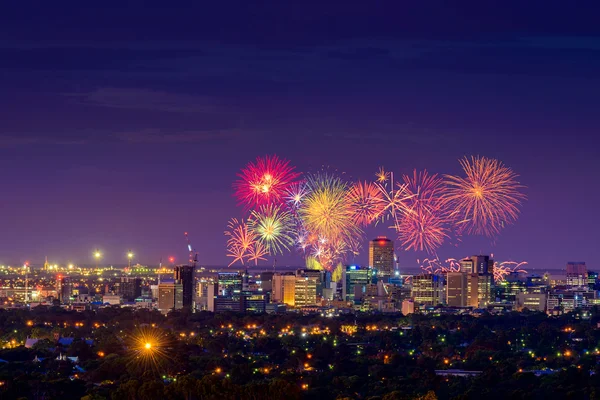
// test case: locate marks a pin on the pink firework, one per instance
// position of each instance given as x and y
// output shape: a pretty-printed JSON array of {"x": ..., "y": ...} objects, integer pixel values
[
  {"x": 367, "y": 203},
  {"x": 265, "y": 181},
  {"x": 424, "y": 225},
  {"x": 501, "y": 270},
  {"x": 435, "y": 266}
]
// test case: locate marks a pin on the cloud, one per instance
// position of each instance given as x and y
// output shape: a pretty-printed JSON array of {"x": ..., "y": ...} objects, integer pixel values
[
  {"x": 157, "y": 136},
  {"x": 146, "y": 99},
  {"x": 16, "y": 140}
]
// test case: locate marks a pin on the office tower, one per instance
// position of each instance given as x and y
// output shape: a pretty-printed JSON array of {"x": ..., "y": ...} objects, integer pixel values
[
  {"x": 577, "y": 275},
  {"x": 130, "y": 288},
  {"x": 266, "y": 281},
  {"x": 284, "y": 288},
  {"x": 381, "y": 255},
  {"x": 531, "y": 301},
  {"x": 64, "y": 289},
  {"x": 479, "y": 290},
  {"x": 456, "y": 289},
  {"x": 592, "y": 279},
  {"x": 466, "y": 265},
  {"x": 355, "y": 280},
  {"x": 170, "y": 296},
  {"x": 185, "y": 274},
  {"x": 305, "y": 291},
  {"x": 427, "y": 289},
  {"x": 253, "y": 302},
  {"x": 320, "y": 277},
  {"x": 230, "y": 283},
  {"x": 482, "y": 265}
]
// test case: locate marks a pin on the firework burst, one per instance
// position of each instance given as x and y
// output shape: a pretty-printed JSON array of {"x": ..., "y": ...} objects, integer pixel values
[
  {"x": 273, "y": 228},
  {"x": 264, "y": 182},
  {"x": 425, "y": 224},
  {"x": 486, "y": 199},
  {"x": 241, "y": 242},
  {"x": 501, "y": 270},
  {"x": 327, "y": 217},
  {"x": 366, "y": 203},
  {"x": 435, "y": 266}
]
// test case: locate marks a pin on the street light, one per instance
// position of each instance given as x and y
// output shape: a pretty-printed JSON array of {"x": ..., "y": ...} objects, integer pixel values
[
  {"x": 97, "y": 256},
  {"x": 129, "y": 257}
]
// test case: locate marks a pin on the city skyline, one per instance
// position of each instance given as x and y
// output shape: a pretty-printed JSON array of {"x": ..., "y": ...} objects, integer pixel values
[{"x": 117, "y": 143}]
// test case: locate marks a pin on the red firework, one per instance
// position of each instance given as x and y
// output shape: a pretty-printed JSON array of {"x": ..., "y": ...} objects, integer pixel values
[
  {"x": 425, "y": 224},
  {"x": 265, "y": 181},
  {"x": 367, "y": 203}
]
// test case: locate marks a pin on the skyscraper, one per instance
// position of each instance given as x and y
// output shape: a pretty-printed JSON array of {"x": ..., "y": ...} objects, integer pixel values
[
  {"x": 354, "y": 281},
  {"x": 381, "y": 255},
  {"x": 456, "y": 289},
  {"x": 64, "y": 289},
  {"x": 185, "y": 274},
  {"x": 170, "y": 296},
  {"x": 130, "y": 288},
  {"x": 305, "y": 291}
]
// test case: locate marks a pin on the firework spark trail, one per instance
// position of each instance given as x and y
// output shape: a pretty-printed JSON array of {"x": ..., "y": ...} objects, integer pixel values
[
  {"x": 435, "y": 266},
  {"x": 487, "y": 198},
  {"x": 366, "y": 203},
  {"x": 295, "y": 194},
  {"x": 501, "y": 270},
  {"x": 257, "y": 252},
  {"x": 327, "y": 214},
  {"x": 264, "y": 182},
  {"x": 424, "y": 226},
  {"x": 272, "y": 227},
  {"x": 241, "y": 241}
]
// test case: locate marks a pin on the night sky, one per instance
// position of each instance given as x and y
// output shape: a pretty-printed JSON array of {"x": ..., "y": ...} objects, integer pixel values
[{"x": 124, "y": 127}]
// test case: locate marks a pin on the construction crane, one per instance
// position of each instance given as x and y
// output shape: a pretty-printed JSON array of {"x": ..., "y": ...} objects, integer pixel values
[{"x": 193, "y": 254}]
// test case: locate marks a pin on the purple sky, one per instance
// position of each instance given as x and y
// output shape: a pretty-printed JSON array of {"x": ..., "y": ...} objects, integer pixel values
[{"x": 124, "y": 127}]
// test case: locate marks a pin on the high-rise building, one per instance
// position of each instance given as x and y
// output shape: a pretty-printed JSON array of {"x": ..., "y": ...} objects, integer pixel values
[
  {"x": 64, "y": 289},
  {"x": 266, "y": 281},
  {"x": 427, "y": 289},
  {"x": 466, "y": 265},
  {"x": 355, "y": 280},
  {"x": 130, "y": 288},
  {"x": 305, "y": 291},
  {"x": 284, "y": 288},
  {"x": 381, "y": 255},
  {"x": 479, "y": 290},
  {"x": 185, "y": 274},
  {"x": 230, "y": 283},
  {"x": 456, "y": 289},
  {"x": 577, "y": 275},
  {"x": 170, "y": 296}
]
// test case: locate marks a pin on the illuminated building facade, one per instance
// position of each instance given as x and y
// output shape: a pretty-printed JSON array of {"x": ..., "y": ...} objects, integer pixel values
[
  {"x": 355, "y": 280},
  {"x": 456, "y": 289},
  {"x": 305, "y": 291},
  {"x": 577, "y": 275},
  {"x": 170, "y": 296},
  {"x": 381, "y": 255},
  {"x": 284, "y": 288},
  {"x": 479, "y": 290},
  {"x": 427, "y": 289},
  {"x": 230, "y": 283}
]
